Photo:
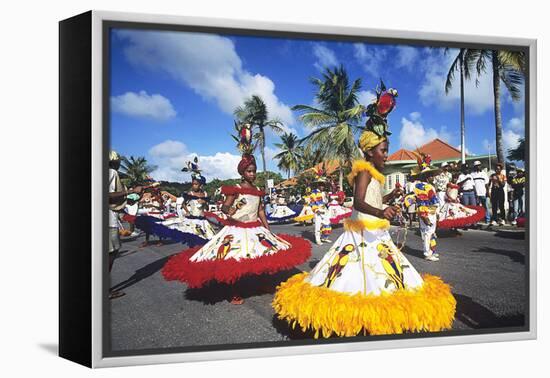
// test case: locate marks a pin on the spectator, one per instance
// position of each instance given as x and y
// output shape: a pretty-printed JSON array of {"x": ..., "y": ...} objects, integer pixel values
[
  {"x": 496, "y": 190},
  {"x": 441, "y": 181},
  {"x": 481, "y": 186},
  {"x": 518, "y": 186},
  {"x": 466, "y": 183}
]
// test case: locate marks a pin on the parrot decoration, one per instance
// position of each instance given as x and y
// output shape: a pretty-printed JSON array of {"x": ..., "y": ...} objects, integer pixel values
[
  {"x": 246, "y": 134},
  {"x": 224, "y": 249},
  {"x": 379, "y": 109},
  {"x": 338, "y": 263},
  {"x": 240, "y": 203},
  {"x": 392, "y": 267},
  {"x": 266, "y": 243},
  {"x": 192, "y": 166},
  {"x": 244, "y": 138}
]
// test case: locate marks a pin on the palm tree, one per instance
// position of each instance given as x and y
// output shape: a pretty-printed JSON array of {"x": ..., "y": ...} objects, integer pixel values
[
  {"x": 135, "y": 170},
  {"x": 462, "y": 64},
  {"x": 254, "y": 111},
  {"x": 508, "y": 67},
  {"x": 291, "y": 154},
  {"x": 518, "y": 153},
  {"x": 310, "y": 157},
  {"x": 336, "y": 120}
]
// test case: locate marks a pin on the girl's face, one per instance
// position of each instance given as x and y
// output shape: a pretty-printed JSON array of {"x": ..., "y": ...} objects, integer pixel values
[
  {"x": 378, "y": 155},
  {"x": 249, "y": 174},
  {"x": 195, "y": 185}
]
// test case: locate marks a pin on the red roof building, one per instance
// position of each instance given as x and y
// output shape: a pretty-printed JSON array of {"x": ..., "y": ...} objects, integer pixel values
[{"x": 436, "y": 148}]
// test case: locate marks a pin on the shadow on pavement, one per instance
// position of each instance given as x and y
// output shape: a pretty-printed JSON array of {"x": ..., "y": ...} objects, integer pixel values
[
  {"x": 515, "y": 256},
  {"x": 285, "y": 329},
  {"x": 142, "y": 273},
  {"x": 246, "y": 287},
  {"x": 505, "y": 234},
  {"x": 477, "y": 316},
  {"x": 412, "y": 252}
]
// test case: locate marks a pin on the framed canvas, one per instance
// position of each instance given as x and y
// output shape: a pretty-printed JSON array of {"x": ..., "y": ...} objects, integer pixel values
[{"x": 252, "y": 189}]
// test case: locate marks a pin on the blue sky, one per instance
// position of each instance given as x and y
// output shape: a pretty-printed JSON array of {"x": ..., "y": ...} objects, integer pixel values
[{"x": 173, "y": 94}]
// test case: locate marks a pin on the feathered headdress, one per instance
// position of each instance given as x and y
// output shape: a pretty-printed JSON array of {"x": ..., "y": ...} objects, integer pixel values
[
  {"x": 424, "y": 166},
  {"x": 376, "y": 127},
  {"x": 245, "y": 145},
  {"x": 193, "y": 167},
  {"x": 320, "y": 173}
]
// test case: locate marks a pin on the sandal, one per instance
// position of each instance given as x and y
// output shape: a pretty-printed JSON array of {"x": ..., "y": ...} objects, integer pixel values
[{"x": 236, "y": 300}]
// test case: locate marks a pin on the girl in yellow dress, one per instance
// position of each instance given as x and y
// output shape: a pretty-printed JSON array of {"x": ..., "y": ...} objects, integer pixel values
[{"x": 364, "y": 284}]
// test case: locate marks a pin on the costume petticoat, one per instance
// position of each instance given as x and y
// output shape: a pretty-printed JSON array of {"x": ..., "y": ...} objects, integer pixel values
[
  {"x": 168, "y": 226},
  {"x": 306, "y": 215},
  {"x": 337, "y": 213},
  {"x": 281, "y": 213},
  {"x": 242, "y": 247},
  {"x": 364, "y": 284},
  {"x": 452, "y": 214},
  {"x": 195, "y": 222}
]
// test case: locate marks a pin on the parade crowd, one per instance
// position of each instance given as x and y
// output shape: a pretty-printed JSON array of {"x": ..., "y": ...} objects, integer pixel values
[{"x": 364, "y": 284}]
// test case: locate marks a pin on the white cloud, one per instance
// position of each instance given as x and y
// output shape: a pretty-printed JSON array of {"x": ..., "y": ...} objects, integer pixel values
[
  {"x": 168, "y": 149},
  {"x": 435, "y": 65},
  {"x": 143, "y": 105},
  {"x": 510, "y": 139},
  {"x": 270, "y": 153},
  {"x": 517, "y": 125},
  {"x": 415, "y": 116},
  {"x": 326, "y": 58},
  {"x": 171, "y": 156},
  {"x": 413, "y": 134},
  {"x": 366, "y": 97},
  {"x": 370, "y": 58},
  {"x": 406, "y": 57},
  {"x": 209, "y": 64}
]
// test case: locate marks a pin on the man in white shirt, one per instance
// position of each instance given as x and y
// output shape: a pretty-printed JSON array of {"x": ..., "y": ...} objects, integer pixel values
[
  {"x": 441, "y": 181},
  {"x": 466, "y": 183},
  {"x": 117, "y": 199},
  {"x": 481, "y": 184}
]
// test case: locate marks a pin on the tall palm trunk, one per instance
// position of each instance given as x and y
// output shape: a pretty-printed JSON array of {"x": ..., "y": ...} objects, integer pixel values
[
  {"x": 262, "y": 148},
  {"x": 498, "y": 115},
  {"x": 462, "y": 123}
]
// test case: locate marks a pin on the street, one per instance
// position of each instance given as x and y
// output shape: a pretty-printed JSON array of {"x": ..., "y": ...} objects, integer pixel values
[{"x": 486, "y": 270}]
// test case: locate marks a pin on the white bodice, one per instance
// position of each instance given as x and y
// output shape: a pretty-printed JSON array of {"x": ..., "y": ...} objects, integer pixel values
[
  {"x": 195, "y": 208},
  {"x": 373, "y": 197},
  {"x": 247, "y": 208}
]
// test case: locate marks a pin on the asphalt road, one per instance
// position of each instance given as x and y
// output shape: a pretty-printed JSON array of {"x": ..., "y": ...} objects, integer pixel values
[{"x": 486, "y": 270}]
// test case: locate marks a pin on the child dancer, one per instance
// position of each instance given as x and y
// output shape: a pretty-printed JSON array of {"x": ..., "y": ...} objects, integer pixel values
[
  {"x": 245, "y": 246},
  {"x": 364, "y": 284}
]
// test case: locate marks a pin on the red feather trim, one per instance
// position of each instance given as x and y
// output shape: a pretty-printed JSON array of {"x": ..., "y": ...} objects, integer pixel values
[
  {"x": 520, "y": 222},
  {"x": 197, "y": 274},
  {"x": 337, "y": 219},
  {"x": 463, "y": 222},
  {"x": 234, "y": 190}
]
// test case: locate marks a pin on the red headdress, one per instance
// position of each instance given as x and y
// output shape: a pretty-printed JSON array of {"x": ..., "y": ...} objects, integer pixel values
[{"x": 245, "y": 162}]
